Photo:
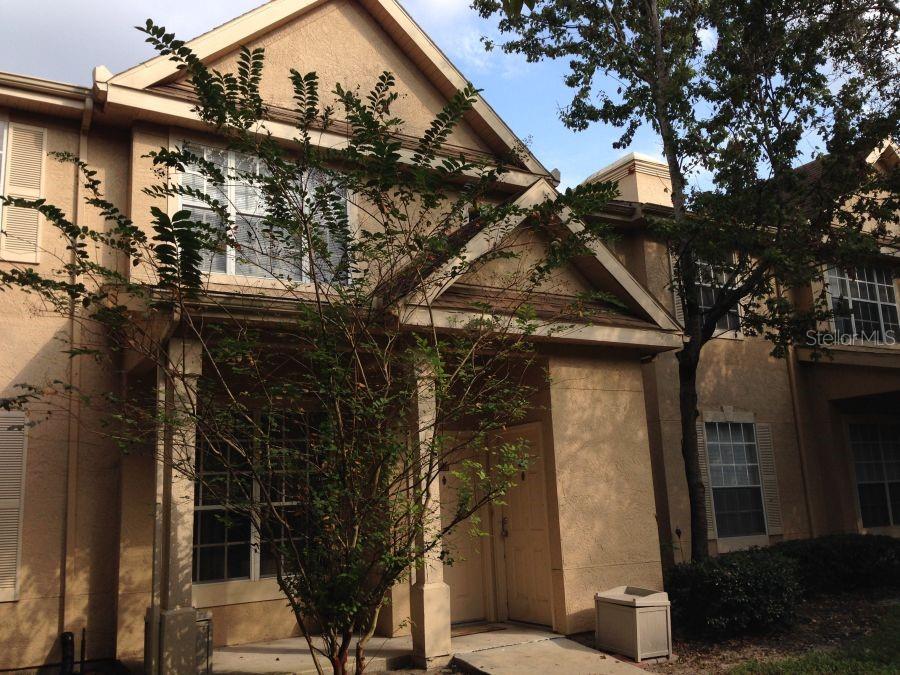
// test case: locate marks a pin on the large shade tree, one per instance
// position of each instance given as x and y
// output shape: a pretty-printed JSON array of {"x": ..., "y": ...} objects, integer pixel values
[
  {"x": 322, "y": 419},
  {"x": 770, "y": 115}
]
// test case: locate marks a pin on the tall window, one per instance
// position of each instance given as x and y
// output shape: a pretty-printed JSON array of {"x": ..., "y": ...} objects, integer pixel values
[
  {"x": 230, "y": 540},
  {"x": 734, "y": 477},
  {"x": 864, "y": 303},
  {"x": 711, "y": 279},
  {"x": 876, "y": 454},
  {"x": 254, "y": 249}
]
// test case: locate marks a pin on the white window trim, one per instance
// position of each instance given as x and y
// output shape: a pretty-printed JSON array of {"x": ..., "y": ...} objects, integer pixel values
[
  {"x": 727, "y": 414},
  {"x": 228, "y": 281}
]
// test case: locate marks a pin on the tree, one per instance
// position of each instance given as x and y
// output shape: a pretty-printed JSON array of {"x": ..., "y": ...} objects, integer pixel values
[
  {"x": 739, "y": 92},
  {"x": 323, "y": 414}
]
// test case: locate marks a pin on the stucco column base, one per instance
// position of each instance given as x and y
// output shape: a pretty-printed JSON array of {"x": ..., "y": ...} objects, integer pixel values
[
  {"x": 178, "y": 640},
  {"x": 430, "y": 615}
]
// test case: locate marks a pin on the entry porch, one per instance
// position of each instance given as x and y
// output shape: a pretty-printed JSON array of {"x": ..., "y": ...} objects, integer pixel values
[
  {"x": 492, "y": 648},
  {"x": 580, "y": 519}
]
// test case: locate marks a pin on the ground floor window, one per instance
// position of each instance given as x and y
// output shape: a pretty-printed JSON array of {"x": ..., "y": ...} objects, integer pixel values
[
  {"x": 735, "y": 479},
  {"x": 876, "y": 455},
  {"x": 229, "y": 536}
]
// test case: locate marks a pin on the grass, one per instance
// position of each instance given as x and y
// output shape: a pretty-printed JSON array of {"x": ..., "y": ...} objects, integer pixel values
[{"x": 875, "y": 654}]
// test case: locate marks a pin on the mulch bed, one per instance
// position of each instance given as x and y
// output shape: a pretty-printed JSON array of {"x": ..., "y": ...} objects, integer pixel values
[{"x": 822, "y": 623}]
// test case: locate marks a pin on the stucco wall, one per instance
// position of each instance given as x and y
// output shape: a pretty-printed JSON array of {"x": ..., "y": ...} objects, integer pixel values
[
  {"x": 607, "y": 514},
  {"x": 344, "y": 45},
  {"x": 734, "y": 372},
  {"x": 68, "y": 564}
]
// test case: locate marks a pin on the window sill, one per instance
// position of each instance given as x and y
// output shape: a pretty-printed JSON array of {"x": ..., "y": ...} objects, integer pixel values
[
  {"x": 728, "y": 544},
  {"x": 25, "y": 260},
  {"x": 729, "y": 335},
  {"x": 9, "y": 596},
  {"x": 888, "y": 530},
  {"x": 215, "y": 594}
]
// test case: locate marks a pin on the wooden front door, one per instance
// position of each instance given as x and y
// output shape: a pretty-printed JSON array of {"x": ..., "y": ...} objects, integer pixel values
[{"x": 525, "y": 538}]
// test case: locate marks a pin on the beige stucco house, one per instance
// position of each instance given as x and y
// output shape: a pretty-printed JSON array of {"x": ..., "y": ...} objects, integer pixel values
[{"x": 96, "y": 543}]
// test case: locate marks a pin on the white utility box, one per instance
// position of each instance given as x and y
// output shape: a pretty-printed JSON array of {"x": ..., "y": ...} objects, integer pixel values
[{"x": 635, "y": 622}]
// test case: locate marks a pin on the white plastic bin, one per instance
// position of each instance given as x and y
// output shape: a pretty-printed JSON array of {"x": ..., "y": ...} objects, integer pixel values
[{"x": 635, "y": 622}]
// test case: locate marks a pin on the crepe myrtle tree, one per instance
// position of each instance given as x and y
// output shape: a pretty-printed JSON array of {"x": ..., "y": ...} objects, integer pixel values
[
  {"x": 322, "y": 421},
  {"x": 739, "y": 93}
]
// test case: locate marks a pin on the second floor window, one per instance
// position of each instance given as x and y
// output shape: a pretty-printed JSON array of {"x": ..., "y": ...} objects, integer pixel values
[
  {"x": 864, "y": 303},
  {"x": 711, "y": 279},
  {"x": 254, "y": 249}
]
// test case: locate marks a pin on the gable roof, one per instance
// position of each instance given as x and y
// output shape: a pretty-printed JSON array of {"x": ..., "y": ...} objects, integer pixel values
[
  {"x": 392, "y": 18},
  {"x": 602, "y": 264}
]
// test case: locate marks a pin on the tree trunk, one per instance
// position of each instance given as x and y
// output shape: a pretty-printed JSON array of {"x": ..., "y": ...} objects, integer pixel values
[
  {"x": 368, "y": 631},
  {"x": 688, "y": 360},
  {"x": 339, "y": 660}
]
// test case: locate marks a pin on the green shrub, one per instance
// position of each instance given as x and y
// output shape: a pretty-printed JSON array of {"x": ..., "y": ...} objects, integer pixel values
[
  {"x": 844, "y": 562},
  {"x": 733, "y": 594}
]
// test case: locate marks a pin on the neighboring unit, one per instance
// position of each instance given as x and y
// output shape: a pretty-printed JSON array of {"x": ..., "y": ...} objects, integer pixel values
[{"x": 92, "y": 541}]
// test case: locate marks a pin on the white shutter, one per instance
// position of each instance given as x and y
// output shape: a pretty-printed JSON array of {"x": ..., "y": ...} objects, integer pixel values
[
  {"x": 26, "y": 149},
  {"x": 704, "y": 474},
  {"x": 12, "y": 480},
  {"x": 772, "y": 503},
  {"x": 676, "y": 296},
  {"x": 4, "y": 124}
]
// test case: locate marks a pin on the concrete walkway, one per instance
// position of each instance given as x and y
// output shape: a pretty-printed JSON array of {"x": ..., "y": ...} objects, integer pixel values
[
  {"x": 514, "y": 649},
  {"x": 543, "y": 657}
]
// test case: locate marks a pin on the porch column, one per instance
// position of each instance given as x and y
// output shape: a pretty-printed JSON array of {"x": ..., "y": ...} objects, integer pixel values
[
  {"x": 429, "y": 596},
  {"x": 172, "y": 643}
]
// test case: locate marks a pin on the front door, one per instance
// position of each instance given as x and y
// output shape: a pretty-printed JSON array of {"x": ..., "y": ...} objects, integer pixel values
[
  {"x": 506, "y": 575},
  {"x": 525, "y": 537},
  {"x": 467, "y": 576}
]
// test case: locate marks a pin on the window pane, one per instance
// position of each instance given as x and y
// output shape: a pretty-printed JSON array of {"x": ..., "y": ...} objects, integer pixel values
[
  {"x": 210, "y": 564},
  {"x": 211, "y": 528},
  {"x": 873, "y": 505},
  {"x": 739, "y": 511},
  {"x": 239, "y": 561}
]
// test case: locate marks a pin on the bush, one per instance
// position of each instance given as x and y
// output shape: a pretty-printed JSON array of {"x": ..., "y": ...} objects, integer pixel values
[
  {"x": 742, "y": 592},
  {"x": 844, "y": 562}
]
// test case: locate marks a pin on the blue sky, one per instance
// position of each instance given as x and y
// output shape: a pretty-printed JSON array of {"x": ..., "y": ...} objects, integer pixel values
[{"x": 87, "y": 33}]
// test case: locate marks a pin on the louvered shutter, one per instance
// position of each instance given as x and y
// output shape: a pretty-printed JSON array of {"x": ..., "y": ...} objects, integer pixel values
[
  {"x": 3, "y": 128},
  {"x": 26, "y": 149},
  {"x": 704, "y": 473},
  {"x": 12, "y": 467},
  {"x": 676, "y": 296},
  {"x": 766, "y": 451}
]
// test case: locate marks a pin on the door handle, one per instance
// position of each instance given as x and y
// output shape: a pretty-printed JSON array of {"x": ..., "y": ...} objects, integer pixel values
[{"x": 504, "y": 529}]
